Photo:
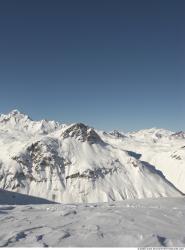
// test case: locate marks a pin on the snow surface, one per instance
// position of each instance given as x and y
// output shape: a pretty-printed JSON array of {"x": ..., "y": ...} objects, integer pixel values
[
  {"x": 13, "y": 198},
  {"x": 131, "y": 223},
  {"x": 161, "y": 148},
  {"x": 102, "y": 177},
  {"x": 74, "y": 163}
]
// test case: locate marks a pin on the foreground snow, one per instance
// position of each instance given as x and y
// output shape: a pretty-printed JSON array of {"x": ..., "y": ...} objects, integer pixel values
[{"x": 148, "y": 222}]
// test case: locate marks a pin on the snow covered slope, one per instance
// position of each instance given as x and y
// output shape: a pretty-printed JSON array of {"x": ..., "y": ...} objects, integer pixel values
[
  {"x": 161, "y": 148},
  {"x": 131, "y": 223},
  {"x": 13, "y": 198},
  {"x": 74, "y": 163}
]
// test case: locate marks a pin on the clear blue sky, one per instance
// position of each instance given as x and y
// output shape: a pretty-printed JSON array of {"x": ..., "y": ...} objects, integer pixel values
[{"x": 112, "y": 64}]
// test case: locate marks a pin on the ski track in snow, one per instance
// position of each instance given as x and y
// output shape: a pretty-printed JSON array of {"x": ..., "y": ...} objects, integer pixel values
[{"x": 131, "y": 223}]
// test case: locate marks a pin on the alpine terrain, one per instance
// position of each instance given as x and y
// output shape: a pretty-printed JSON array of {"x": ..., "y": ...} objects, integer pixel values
[
  {"x": 72, "y": 185},
  {"x": 76, "y": 163}
]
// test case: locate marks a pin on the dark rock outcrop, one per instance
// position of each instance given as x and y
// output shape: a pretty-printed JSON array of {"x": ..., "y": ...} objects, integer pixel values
[{"x": 82, "y": 133}]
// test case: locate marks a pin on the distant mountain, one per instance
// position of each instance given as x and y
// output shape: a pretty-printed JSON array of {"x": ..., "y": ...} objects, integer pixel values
[
  {"x": 162, "y": 148},
  {"x": 178, "y": 135},
  {"x": 151, "y": 134},
  {"x": 18, "y": 121},
  {"x": 117, "y": 134},
  {"x": 75, "y": 163}
]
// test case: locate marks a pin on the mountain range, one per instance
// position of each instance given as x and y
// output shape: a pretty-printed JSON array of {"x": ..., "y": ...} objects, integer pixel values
[{"x": 77, "y": 163}]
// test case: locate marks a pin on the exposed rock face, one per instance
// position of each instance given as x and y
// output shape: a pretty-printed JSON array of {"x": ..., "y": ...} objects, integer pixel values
[
  {"x": 117, "y": 134},
  {"x": 82, "y": 133},
  {"x": 38, "y": 157},
  {"x": 179, "y": 154},
  {"x": 95, "y": 173},
  {"x": 178, "y": 135},
  {"x": 38, "y": 163}
]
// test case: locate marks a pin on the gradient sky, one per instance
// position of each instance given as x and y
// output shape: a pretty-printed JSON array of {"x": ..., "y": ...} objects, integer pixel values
[{"x": 112, "y": 64}]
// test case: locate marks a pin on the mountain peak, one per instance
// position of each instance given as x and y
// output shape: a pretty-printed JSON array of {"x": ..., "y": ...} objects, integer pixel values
[
  {"x": 178, "y": 135},
  {"x": 15, "y": 120},
  {"x": 15, "y": 112},
  {"x": 154, "y": 133},
  {"x": 14, "y": 115},
  {"x": 117, "y": 134},
  {"x": 82, "y": 133}
]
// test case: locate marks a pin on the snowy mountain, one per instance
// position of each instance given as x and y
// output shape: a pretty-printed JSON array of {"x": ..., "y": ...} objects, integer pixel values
[
  {"x": 18, "y": 121},
  {"x": 117, "y": 134},
  {"x": 178, "y": 135},
  {"x": 153, "y": 134},
  {"x": 75, "y": 163},
  {"x": 159, "y": 147}
]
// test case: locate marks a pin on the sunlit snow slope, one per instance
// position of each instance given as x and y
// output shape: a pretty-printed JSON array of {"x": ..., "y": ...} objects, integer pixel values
[
  {"x": 161, "y": 148},
  {"x": 75, "y": 163}
]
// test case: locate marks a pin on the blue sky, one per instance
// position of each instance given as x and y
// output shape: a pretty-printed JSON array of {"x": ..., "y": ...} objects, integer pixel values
[{"x": 112, "y": 64}]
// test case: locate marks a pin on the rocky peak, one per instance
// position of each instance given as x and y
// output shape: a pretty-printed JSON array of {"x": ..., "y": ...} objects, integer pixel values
[
  {"x": 117, "y": 134},
  {"x": 82, "y": 133},
  {"x": 15, "y": 116},
  {"x": 178, "y": 135},
  {"x": 15, "y": 112},
  {"x": 22, "y": 122}
]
